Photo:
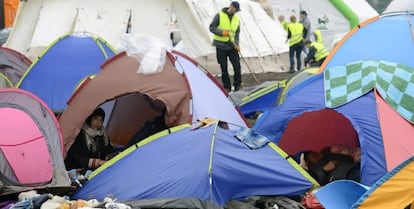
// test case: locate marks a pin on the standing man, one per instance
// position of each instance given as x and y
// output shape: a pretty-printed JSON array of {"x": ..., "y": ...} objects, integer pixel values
[
  {"x": 226, "y": 29},
  {"x": 304, "y": 19},
  {"x": 295, "y": 37}
]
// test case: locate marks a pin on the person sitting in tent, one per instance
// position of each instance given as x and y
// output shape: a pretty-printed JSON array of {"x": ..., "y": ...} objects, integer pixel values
[
  {"x": 326, "y": 166},
  {"x": 92, "y": 147},
  {"x": 153, "y": 125},
  {"x": 317, "y": 53}
]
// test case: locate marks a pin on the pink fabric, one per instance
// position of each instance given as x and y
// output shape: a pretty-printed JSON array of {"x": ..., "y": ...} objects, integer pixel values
[
  {"x": 397, "y": 134},
  {"x": 24, "y": 147}
]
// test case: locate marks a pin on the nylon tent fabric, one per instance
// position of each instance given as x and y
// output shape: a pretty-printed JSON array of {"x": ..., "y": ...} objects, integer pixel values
[
  {"x": 261, "y": 99},
  {"x": 13, "y": 65},
  {"x": 384, "y": 135},
  {"x": 222, "y": 168},
  {"x": 294, "y": 80},
  {"x": 310, "y": 98},
  {"x": 370, "y": 34},
  {"x": 187, "y": 92},
  {"x": 55, "y": 74},
  {"x": 32, "y": 157}
]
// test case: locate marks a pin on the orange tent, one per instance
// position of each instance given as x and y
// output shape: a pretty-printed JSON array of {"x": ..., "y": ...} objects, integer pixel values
[{"x": 10, "y": 9}]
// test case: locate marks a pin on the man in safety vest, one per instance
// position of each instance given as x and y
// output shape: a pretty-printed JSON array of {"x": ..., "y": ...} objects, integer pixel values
[
  {"x": 283, "y": 22},
  {"x": 296, "y": 32},
  {"x": 317, "y": 36},
  {"x": 226, "y": 29},
  {"x": 317, "y": 53}
]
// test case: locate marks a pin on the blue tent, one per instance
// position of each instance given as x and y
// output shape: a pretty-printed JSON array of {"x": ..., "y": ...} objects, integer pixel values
[
  {"x": 308, "y": 120},
  {"x": 207, "y": 163},
  {"x": 62, "y": 66},
  {"x": 387, "y": 37},
  {"x": 261, "y": 99}
]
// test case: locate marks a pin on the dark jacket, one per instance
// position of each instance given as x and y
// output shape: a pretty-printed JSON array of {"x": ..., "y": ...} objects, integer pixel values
[
  {"x": 345, "y": 168},
  {"x": 213, "y": 28},
  {"x": 79, "y": 154}
]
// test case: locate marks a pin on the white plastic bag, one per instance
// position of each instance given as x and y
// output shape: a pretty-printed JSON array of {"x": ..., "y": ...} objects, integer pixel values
[{"x": 149, "y": 51}]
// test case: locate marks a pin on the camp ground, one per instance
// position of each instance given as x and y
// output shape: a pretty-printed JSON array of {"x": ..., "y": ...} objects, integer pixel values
[
  {"x": 181, "y": 139},
  {"x": 393, "y": 190},
  {"x": 31, "y": 145},
  {"x": 56, "y": 72},
  {"x": 208, "y": 163},
  {"x": 319, "y": 114},
  {"x": 13, "y": 65}
]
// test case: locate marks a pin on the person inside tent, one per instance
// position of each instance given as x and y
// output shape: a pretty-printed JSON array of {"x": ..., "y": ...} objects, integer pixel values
[
  {"x": 92, "y": 147},
  {"x": 317, "y": 53},
  {"x": 332, "y": 163},
  {"x": 153, "y": 125}
]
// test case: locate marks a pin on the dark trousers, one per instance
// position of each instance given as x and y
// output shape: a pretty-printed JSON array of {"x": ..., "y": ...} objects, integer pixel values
[
  {"x": 317, "y": 63},
  {"x": 233, "y": 55},
  {"x": 295, "y": 51}
]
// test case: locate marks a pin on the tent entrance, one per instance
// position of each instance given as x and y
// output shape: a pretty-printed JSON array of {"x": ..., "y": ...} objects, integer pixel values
[
  {"x": 316, "y": 130},
  {"x": 131, "y": 116}
]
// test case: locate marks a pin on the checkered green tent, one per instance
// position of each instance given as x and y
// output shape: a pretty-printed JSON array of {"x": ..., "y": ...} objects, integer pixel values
[
  {"x": 386, "y": 37},
  {"x": 367, "y": 103}
]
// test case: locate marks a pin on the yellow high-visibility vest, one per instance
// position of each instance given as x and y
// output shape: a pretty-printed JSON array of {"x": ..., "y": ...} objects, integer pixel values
[
  {"x": 318, "y": 36},
  {"x": 296, "y": 33},
  {"x": 285, "y": 25},
  {"x": 321, "y": 51},
  {"x": 226, "y": 24}
]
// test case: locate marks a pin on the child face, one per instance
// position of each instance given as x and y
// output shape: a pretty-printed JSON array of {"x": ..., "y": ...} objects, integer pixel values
[{"x": 97, "y": 122}]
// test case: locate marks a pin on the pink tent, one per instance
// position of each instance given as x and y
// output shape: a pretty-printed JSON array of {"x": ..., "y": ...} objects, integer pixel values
[{"x": 31, "y": 144}]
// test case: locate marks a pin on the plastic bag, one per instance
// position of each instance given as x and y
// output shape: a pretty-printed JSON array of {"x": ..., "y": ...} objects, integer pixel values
[{"x": 149, "y": 51}]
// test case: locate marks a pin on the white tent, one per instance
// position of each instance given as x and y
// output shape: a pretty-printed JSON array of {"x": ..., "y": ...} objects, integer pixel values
[
  {"x": 334, "y": 19},
  {"x": 400, "y": 5},
  {"x": 39, "y": 22}
]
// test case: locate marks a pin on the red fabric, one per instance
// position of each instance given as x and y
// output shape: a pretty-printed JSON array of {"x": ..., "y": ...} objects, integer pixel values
[
  {"x": 332, "y": 128},
  {"x": 310, "y": 202}
]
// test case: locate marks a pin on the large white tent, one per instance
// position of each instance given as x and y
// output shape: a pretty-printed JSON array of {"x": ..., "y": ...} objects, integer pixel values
[
  {"x": 40, "y": 22},
  {"x": 400, "y": 5},
  {"x": 334, "y": 18}
]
